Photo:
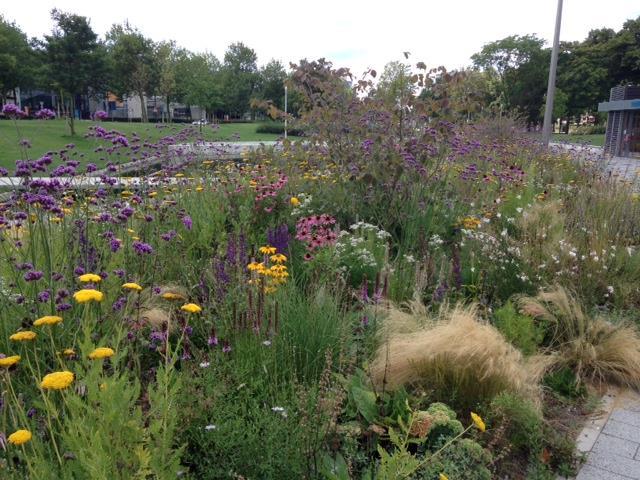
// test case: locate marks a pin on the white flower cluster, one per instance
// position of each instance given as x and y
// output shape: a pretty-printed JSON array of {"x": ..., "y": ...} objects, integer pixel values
[{"x": 304, "y": 209}]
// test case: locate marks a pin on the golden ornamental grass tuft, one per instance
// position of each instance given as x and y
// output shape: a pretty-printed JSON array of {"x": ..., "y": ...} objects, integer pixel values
[
  {"x": 596, "y": 349},
  {"x": 457, "y": 353}
]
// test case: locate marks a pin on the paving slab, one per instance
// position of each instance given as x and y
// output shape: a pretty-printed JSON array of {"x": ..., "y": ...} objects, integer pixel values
[{"x": 611, "y": 439}]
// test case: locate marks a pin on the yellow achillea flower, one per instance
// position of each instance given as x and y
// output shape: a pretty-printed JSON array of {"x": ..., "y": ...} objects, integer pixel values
[
  {"x": 23, "y": 336},
  {"x": 132, "y": 286},
  {"x": 294, "y": 201},
  {"x": 478, "y": 422},
  {"x": 88, "y": 295},
  {"x": 7, "y": 362},
  {"x": 278, "y": 258},
  {"x": 442, "y": 476},
  {"x": 101, "y": 352},
  {"x": 68, "y": 352},
  {"x": 19, "y": 437},
  {"x": 57, "y": 380},
  {"x": 172, "y": 296},
  {"x": 90, "y": 278},
  {"x": 199, "y": 189},
  {"x": 191, "y": 308},
  {"x": 268, "y": 250},
  {"x": 47, "y": 320}
]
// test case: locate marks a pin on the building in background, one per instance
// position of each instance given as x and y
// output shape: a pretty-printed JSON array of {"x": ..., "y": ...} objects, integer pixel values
[{"x": 622, "y": 138}]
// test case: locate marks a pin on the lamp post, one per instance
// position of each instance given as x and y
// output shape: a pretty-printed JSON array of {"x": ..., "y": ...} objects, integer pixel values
[
  {"x": 286, "y": 90},
  {"x": 551, "y": 86}
]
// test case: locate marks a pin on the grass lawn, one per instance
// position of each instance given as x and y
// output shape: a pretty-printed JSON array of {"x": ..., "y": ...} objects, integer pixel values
[
  {"x": 52, "y": 135},
  {"x": 596, "y": 140}
]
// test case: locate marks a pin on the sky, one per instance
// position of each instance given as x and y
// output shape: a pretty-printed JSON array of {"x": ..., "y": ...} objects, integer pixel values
[{"x": 352, "y": 33}]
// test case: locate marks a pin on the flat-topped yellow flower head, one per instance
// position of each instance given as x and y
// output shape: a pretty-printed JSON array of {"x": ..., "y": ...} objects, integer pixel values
[
  {"x": 101, "y": 352},
  {"x": 47, "y": 320},
  {"x": 25, "y": 336},
  {"x": 7, "y": 362},
  {"x": 88, "y": 295},
  {"x": 90, "y": 278},
  {"x": 132, "y": 286},
  {"x": 57, "y": 380},
  {"x": 172, "y": 296},
  {"x": 19, "y": 437},
  {"x": 191, "y": 308},
  {"x": 477, "y": 420}
]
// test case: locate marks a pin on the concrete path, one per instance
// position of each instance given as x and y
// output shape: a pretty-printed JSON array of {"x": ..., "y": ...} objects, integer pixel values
[{"x": 611, "y": 440}]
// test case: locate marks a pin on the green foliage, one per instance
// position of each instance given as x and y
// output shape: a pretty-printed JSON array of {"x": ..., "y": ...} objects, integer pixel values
[
  {"x": 563, "y": 381},
  {"x": 466, "y": 459},
  {"x": 519, "y": 421},
  {"x": 521, "y": 330}
]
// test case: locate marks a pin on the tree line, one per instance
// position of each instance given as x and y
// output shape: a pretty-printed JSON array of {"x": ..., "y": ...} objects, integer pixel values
[
  {"x": 512, "y": 72},
  {"x": 73, "y": 60},
  {"x": 506, "y": 75}
]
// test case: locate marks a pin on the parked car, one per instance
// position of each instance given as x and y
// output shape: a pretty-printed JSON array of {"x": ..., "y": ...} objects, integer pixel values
[{"x": 200, "y": 122}]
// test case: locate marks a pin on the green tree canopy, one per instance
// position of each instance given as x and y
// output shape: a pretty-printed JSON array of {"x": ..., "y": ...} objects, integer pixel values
[
  {"x": 16, "y": 58},
  {"x": 135, "y": 64},
  {"x": 76, "y": 58},
  {"x": 239, "y": 79}
]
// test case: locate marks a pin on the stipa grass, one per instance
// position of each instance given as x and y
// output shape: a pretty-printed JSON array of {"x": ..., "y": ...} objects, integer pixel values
[
  {"x": 596, "y": 349},
  {"x": 459, "y": 357}
]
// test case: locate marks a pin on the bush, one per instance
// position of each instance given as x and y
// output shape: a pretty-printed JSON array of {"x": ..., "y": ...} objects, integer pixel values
[
  {"x": 520, "y": 330},
  {"x": 277, "y": 129},
  {"x": 590, "y": 130},
  {"x": 462, "y": 360},
  {"x": 520, "y": 421},
  {"x": 595, "y": 349},
  {"x": 466, "y": 459}
]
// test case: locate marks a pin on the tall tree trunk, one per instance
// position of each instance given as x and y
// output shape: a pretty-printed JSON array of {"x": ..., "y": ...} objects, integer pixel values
[
  {"x": 72, "y": 115},
  {"x": 143, "y": 108},
  {"x": 168, "y": 109}
]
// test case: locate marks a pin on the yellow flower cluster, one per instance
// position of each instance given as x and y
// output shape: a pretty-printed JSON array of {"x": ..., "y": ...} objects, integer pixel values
[
  {"x": 19, "y": 437},
  {"x": 471, "y": 223},
  {"x": 57, "y": 380},
  {"x": 132, "y": 286},
  {"x": 172, "y": 296},
  {"x": 101, "y": 352},
  {"x": 7, "y": 362},
  {"x": 90, "y": 278},
  {"x": 270, "y": 276},
  {"x": 88, "y": 295},
  {"x": 47, "y": 320},
  {"x": 23, "y": 336},
  {"x": 479, "y": 423},
  {"x": 191, "y": 308}
]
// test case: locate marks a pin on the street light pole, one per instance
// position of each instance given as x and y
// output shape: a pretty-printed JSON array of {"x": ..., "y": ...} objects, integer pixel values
[
  {"x": 551, "y": 86},
  {"x": 285, "y": 111}
]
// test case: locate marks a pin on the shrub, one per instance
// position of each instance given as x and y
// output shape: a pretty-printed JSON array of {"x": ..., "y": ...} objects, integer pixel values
[
  {"x": 466, "y": 459},
  {"x": 520, "y": 330},
  {"x": 278, "y": 129},
  {"x": 595, "y": 349},
  {"x": 460, "y": 359},
  {"x": 520, "y": 421}
]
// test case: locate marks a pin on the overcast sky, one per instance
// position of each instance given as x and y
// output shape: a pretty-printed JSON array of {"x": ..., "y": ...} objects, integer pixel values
[{"x": 352, "y": 33}]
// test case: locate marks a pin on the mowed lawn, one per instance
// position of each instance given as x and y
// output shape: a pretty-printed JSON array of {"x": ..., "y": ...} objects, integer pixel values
[
  {"x": 53, "y": 135},
  {"x": 595, "y": 140}
]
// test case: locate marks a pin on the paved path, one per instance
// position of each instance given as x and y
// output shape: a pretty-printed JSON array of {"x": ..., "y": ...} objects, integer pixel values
[{"x": 611, "y": 441}]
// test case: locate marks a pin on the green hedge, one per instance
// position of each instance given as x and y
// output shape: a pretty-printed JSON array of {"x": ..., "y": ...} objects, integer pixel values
[{"x": 277, "y": 128}]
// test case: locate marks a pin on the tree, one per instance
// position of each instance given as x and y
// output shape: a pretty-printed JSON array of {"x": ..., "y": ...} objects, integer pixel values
[
  {"x": 270, "y": 84},
  {"x": 199, "y": 81},
  {"x": 135, "y": 65},
  {"x": 239, "y": 79},
  {"x": 395, "y": 85},
  {"x": 76, "y": 59},
  {"x": 167, "y": 55},
  {"x": 522, "y": 65},
  {"x": 16, "y": 59}
]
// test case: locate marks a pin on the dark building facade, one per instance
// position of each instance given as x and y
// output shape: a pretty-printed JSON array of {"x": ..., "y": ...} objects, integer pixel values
[{"x": 623, "y": 125}]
